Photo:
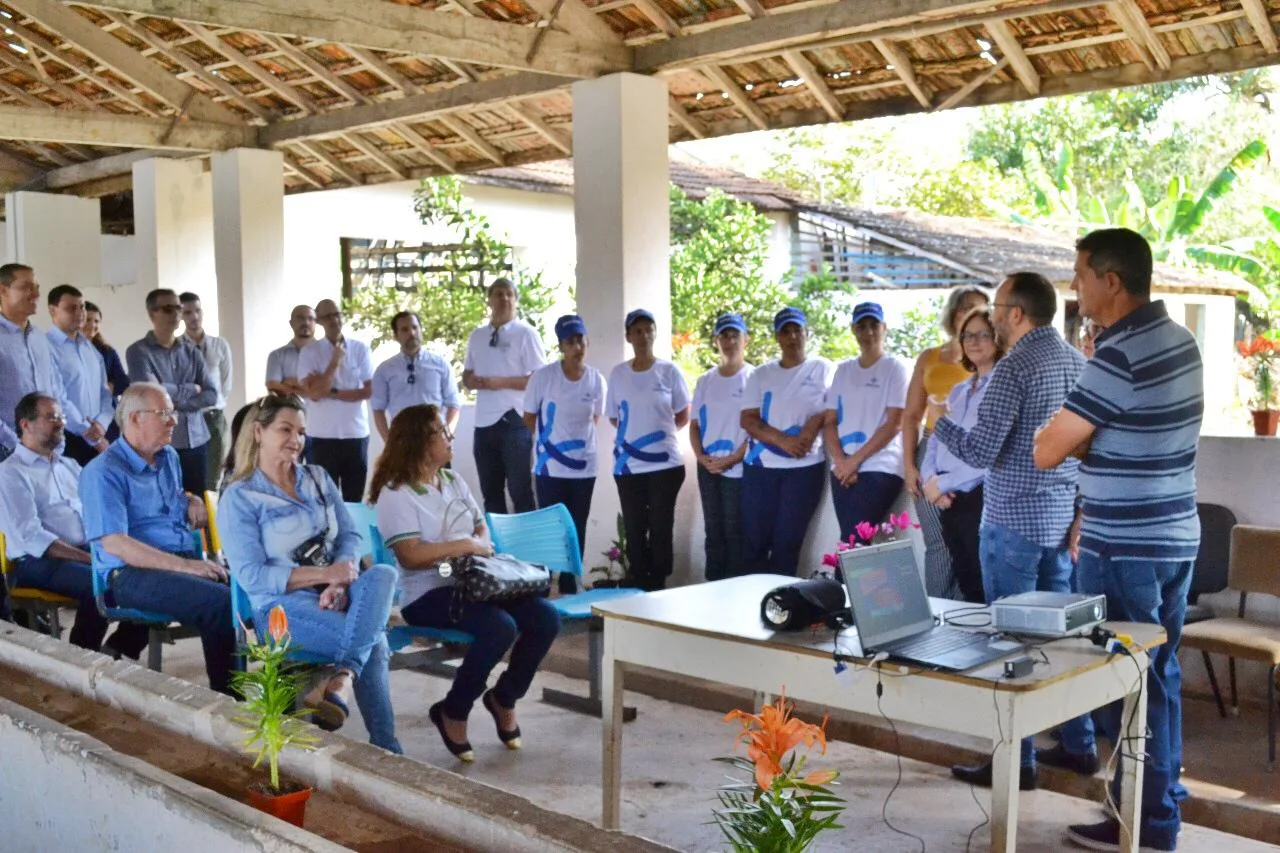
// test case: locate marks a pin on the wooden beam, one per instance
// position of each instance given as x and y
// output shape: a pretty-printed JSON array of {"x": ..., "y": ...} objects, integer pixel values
[
  {"x": 103, "y": 167},
  {"x": 696, "y": 128},
  {"x": 1002, "y": 34},
  {"x": 29, "y": 67},
  {"x": 740, "y": 100},
  {"x": 425, "y": 105},
  {"x": 576, "y": 18},
  {"x": 22, "y": 96},
  {"x": 817, "y": 85},
  {"x": 555, "y": 137},
  {"x": 901, "y": 63},
  {"x": 253, "y": 69},
  {"x": 420, "y": 142},
  {"x": 383, "y": 69},
  {"x": 972, "y": 86},
  {"x": 1134, "y": 23},
  {"x": 751, "y": 8},
  {"x": 300, "y": 57},
  {"x": 395, "y": 27},
  {"x": 123, "y": 60},
  {"x": 380, "y": 157},
  {"x": 104, "y": 128},
  {"x": 467, "y": 132},
  {"x": 335, "y": 165},
  {"x": 302, "y": 171},
  {"x": 655, "y": 13},
  {"x": 1260, "y": 20}
]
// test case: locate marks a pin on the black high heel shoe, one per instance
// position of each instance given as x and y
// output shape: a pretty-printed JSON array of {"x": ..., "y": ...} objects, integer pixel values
[
  {"x": 510, "y": 738},
  {"x": 461, "y": 751}
]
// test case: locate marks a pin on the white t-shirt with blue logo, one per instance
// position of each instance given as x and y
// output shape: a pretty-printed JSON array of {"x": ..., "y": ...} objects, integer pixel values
[
  {"x": 644, "y": 405},
  {"x": 859, "y": 396},
  {"x": 787, "y": 397},
  {"x": 564, "y": 439},
  {"x": 717, "y": 410}
]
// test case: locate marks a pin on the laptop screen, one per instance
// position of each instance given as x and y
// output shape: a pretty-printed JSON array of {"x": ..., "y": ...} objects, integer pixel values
[{"x": 886, "y": 593}]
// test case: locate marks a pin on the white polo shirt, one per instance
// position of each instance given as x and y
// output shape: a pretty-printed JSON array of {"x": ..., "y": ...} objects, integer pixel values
[
  {"x": 644, "y": 404},
  {"x": 330, "y": 418},
  {"x": 717, "y": 410},
  {"x": 787, "y": 397},
  {"x": 429, "y": 515},
  {"x": 516, "y": 352},
  {"x": 860, "y": 396},
  {"x": 566, "y": 429}
]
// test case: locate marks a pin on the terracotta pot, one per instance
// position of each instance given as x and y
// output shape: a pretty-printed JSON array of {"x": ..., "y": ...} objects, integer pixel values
[
  {"x": 1265, "y": 421},
  {"x": 289, "y": 806}
]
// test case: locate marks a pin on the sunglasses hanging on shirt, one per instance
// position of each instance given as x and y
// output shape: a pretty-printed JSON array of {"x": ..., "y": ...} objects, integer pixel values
[{"x": 411, "y": 366}]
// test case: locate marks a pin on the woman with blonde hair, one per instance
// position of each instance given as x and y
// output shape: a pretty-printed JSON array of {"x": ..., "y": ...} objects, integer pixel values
[
  {"x": 428, "y": 517},
  {"x": 289, "y": 541}
]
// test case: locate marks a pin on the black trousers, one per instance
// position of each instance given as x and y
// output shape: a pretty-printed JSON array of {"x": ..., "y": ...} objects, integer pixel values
[
  {"x": 503, "y": 452},
  {"x": 649, "y": 518},
  {"x": 78, "y": 449},
  {"x": 346, "y": 461},
  {"x": 195, "y": 468},
  {"x": 960, "y": 526}
]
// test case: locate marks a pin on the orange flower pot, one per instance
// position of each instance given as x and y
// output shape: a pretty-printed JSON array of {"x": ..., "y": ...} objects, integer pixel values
[
  {"x": 290, "y": 806},
  {"x": 1265, "y": 422}
]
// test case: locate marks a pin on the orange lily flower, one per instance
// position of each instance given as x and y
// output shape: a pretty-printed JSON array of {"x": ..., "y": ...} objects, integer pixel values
[
  {"x": 773, "y": 733},
  {"x": 277, "y": 624}
]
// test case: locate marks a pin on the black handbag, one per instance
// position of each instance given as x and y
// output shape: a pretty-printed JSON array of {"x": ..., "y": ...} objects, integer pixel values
[{"x": 499, "y": 577}]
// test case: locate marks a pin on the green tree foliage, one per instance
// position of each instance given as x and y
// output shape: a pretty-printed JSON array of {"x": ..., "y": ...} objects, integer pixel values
[
  {"x": 451, "y": 300},
  {"x": 917, "y": 331}
]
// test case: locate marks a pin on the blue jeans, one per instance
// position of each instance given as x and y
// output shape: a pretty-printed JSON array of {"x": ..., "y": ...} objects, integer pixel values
[
  {"x": 1154, "y": 592},
  {"x": 868, "y": 499},
  {"x": 527, "y": 626},
  {"x": 200, "y": 603},
  {"x": 777, "y": 506},
  {"x": 1012, "y": 563},
  {"x": 355, "y": 640},
  {"x": 722, "y": 522},
  {"x": 75, "y": 580},
  {"x": 503, "y": 452}
]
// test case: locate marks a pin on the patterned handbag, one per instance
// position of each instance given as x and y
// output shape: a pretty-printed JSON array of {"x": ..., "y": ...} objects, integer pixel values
[{"x": 499, "y": 577}]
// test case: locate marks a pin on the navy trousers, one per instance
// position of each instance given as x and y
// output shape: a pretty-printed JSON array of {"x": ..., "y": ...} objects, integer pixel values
[
  {"x": 503, "y": 452},
  {"x": 777, "y": 506}
]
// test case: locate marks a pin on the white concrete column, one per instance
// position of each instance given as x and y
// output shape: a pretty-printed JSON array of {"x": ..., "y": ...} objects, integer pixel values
[
  {"x": 248, "y": 231},
  {"x": 621, "y": 209},
  {"x": 173, "y": 224},
  {"x": 59, "y": 236}
]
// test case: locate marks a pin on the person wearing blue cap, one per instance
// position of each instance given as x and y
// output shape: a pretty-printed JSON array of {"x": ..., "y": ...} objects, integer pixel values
[
  {"x": 648, "y": 402},
  {"x": 863, "y": 425},
  {"x": 719, "y": 444},
  {"x": 562, "y": 404},
  {"x": 782, "y": 412}
]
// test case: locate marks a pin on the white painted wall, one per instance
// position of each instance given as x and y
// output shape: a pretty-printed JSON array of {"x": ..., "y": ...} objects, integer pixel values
[{"x": 55, "y": 234}]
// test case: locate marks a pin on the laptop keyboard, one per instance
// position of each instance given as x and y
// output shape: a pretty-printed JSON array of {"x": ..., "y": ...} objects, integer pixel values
[{"x": 940, "y": 641}]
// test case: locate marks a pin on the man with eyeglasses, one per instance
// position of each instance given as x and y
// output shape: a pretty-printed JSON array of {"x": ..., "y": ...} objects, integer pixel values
[
  {"x": 173, "y": 362},
  {"x": 43, "y": 522},
  {"x": 88, "y": 403},
  {"x": 140, "y": 525},
  {"x": 26, "y": 359},
  {"x": 501, "y": 356},
  {"x": 339, "y": 379},
  {"x": 217, "y": 364},
  {"x": 412, "y": 377}
]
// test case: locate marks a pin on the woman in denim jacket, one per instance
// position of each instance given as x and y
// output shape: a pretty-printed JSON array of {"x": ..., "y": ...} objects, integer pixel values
[{"x": 289, "y": 541}]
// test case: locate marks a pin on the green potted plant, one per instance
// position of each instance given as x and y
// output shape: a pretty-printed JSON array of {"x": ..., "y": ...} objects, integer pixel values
[
  {"x": 269, "y": 693},
  {"x": 617, "y": 556},
  {"x": 1259, "y": 357}
]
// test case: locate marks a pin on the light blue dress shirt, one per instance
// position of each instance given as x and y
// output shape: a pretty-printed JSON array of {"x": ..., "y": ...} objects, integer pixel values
[
  {"x": 84, "y": 381},
  {"x": 953, "y": 473},
  {"x": 39, "y": 503},
  {"x": 261, "y": 526},
  {"x": 121, "y": 493},
  {"x": 432, "y": 383},
  {"x": 26, "y": 365}
]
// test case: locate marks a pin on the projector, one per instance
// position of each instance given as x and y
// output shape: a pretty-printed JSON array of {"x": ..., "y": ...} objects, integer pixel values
[{"x": 1048, "y": 614}]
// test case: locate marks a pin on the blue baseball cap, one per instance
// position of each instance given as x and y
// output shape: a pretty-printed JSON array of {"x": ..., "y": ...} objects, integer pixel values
[
  {"x": 730, "y": 321},
  {"x": 863, "y": 310},
  {"x": 789, "y": 315},
  {"x": 638, "y": 314},
  {"x": 568, "y": 326}
]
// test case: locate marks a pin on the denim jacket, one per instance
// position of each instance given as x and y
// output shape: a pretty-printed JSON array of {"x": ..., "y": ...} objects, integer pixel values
[{"x": 260, "y": 527}]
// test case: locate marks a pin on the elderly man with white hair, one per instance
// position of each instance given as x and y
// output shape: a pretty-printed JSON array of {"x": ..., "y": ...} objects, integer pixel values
[{"x": 139, "y": 524}]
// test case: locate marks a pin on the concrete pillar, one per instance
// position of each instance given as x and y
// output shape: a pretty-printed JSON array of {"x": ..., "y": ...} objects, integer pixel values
[
  {"x": 621, "y": 212},
  {"x": 248, "y": 231},
  {"x": 173, "y": 224},
  {"x": 60, "y": 236}
]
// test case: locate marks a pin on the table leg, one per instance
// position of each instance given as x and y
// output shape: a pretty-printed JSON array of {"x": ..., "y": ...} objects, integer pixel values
[
  {"x": 1006, "y": 766},
  {"x": 611, "y": 680},
  {"x": 1132, "y": 742}
]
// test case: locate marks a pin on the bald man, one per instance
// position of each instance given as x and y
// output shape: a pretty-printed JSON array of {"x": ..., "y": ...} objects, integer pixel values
[
  {"x": 339, "y": 382},
  {"x": 282, "y": 364}
]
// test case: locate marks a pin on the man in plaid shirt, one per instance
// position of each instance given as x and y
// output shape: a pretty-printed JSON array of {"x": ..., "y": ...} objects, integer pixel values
[{"x": 1026, "y": 512}]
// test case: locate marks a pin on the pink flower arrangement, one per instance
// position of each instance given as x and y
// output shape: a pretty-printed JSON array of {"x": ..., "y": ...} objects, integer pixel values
[{"x": 866, "y": 533}]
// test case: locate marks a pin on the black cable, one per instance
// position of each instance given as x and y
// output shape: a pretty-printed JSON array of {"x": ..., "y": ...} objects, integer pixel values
[
  {"x": 973, "y": 791},
  {"x": 897, "y": 751}
]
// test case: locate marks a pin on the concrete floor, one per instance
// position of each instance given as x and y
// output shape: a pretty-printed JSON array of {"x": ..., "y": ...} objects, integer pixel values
[{"x": 670, "y": 778}]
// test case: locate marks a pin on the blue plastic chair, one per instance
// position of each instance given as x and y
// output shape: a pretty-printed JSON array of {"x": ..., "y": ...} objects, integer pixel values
[
  {"x": 365, "y": 519},
  {"x": 242, "y": 619},
  {"x": 399, "y": 637},
  {"x": 548, "y": 536}
]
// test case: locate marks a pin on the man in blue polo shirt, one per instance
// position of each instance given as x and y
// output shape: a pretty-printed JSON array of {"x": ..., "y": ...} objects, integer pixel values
[
  {"x": 139, "y": 525},
  {"x": 1135, "y": 414},
  {"x": 413, "y": 377}
]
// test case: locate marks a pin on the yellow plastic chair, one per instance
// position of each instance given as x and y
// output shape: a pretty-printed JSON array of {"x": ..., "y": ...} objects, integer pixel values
[{"x": 37, "y": 602}]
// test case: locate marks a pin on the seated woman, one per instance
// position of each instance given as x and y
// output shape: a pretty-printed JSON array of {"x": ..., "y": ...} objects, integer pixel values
[
  {"x": 289, "y": 541},
  {"x": 427, "y": 516}
]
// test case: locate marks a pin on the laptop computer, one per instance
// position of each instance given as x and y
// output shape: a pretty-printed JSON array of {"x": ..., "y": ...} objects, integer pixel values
[{"x": 891, "y": 610}]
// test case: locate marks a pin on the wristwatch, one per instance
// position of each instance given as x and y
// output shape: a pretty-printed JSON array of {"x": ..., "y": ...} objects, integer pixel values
[{"x": 333, "y": 392}]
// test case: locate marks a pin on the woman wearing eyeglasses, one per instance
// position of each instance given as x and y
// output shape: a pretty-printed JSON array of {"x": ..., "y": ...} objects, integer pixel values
[
  {"x": 289, "y": 541},
  {"x": 948, "y": 483},
  {"x": 427, "y": 516}
]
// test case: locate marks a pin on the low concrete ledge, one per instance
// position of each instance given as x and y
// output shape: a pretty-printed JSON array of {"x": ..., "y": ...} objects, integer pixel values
[
  {"x": 444, "y": 805},
  {"x": 64, "y": 790}
]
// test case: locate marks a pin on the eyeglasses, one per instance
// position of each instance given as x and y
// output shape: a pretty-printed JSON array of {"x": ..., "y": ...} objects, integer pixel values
[
  {"x": 53, "y": 418},
  {"x": 163, "y": 414},
  {"x": 168, "y": 309},
  {"x": 493, "y": 338},
  {"x": 446, "y": 434},
  {"x": 976, "y": 337}
]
